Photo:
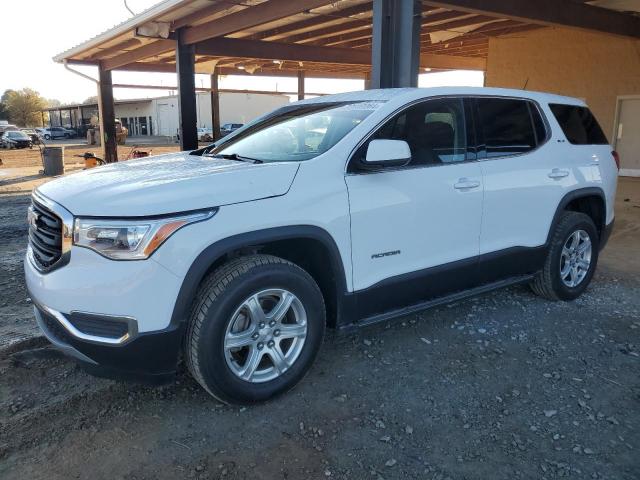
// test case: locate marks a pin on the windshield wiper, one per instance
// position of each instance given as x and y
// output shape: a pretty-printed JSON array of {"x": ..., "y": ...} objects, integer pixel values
[{"x": 235, "y": 156}]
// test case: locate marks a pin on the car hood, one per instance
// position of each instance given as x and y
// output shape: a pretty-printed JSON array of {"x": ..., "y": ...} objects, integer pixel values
[{"x": 167, "y": 184}]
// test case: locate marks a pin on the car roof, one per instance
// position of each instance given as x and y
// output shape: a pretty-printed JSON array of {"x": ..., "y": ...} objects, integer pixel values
[{"x": 409, "y": 94}]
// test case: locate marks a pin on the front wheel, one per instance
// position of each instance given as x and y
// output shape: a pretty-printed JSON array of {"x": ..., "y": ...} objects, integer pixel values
[
  {"x": 255, "y": 329},
  {"x": 47, "y": 137},
  {"x": 571, "y": 259}
]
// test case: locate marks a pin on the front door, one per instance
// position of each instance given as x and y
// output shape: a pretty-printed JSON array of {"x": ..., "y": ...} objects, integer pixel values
[{"x": 415, "y": 229}]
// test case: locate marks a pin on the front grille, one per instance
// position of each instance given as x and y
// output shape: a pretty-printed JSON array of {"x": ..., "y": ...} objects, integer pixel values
[
  {"x": 99, "y": 325},
  {"x": 45, "y": 235}
]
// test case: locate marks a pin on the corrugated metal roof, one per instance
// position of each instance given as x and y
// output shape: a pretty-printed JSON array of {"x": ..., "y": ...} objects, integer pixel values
[{"x": 127, "y": 26}]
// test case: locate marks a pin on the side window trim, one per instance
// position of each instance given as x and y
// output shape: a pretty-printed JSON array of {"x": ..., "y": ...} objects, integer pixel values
[
  {"x": 481, "y": 146},
  {"x": 351, "y": 169}
]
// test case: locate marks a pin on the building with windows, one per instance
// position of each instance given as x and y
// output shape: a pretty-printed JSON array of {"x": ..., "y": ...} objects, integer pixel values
[{"x": 159, "y": 116}]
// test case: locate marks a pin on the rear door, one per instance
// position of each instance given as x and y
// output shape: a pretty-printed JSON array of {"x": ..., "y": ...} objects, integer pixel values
[
  {"x": 524, "y": 183},
  {"x": 415, "y": 229}
]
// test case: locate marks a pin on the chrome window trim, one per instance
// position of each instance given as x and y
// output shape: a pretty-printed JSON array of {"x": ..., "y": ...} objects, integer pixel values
[
  {"x": 463, "y": 97},
  {"x": 545, "y": 121}
]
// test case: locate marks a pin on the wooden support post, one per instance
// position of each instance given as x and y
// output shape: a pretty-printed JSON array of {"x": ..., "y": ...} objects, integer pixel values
[
  {"x": 107, "y": 116},
  {"x": 367, "y": 81},
  {"x": 185, "y": 68},
  {"x": 300, "y": 84},
  {"x": 215, "y": 105}
]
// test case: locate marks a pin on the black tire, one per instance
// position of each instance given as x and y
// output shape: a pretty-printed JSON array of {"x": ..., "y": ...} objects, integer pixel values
[
  {"x": 548, "y": 282},
  {"x": 47, "y": 137},
  {"x": 220, "y": 294}
]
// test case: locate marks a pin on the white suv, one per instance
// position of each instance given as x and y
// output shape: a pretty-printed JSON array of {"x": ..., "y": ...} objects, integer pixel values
[{"x": 337, "y": 211}]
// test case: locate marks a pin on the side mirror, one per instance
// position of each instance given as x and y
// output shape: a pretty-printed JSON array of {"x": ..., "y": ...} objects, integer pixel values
[{"x": 387, "y": 153}]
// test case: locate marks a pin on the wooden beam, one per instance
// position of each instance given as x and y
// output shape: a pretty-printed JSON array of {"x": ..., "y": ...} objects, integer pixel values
[
  {"x": 185, "y": 68},
  {"x": 106, "y": 112},
  {"x": 427, "y": 27},
  {"x": 315, "y": 23},
  {"x": 300, "y": 84},
  {"x": 235, "y": 47},
  {"x": 250, "y": 17},
  {"x": 353, "y": 31},
  {"x": 254, "y": 49},
  {"x": 215, "y": 105},
  {"x": 146, "y": 51},
  {"x": 452, "y": 62},
  {"x": 557, "y": 13},
  {"x": 132, "y": 42},
  {"x": 263, "y": 72},
  {"x": 208, "y": 11}
]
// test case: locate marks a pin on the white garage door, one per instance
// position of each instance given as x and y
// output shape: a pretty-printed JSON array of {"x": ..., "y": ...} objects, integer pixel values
[
  {"x": 627, "y": 142},
  {"x": 167, "y": 119}
]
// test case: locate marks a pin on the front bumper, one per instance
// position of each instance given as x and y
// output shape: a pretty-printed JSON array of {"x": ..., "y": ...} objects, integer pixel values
[
  {"x": 112, "y": 316},
  {"x": 149, "y": 357}
]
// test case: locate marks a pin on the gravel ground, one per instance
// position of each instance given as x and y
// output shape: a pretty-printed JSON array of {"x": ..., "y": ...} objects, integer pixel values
[{"x": 503, "y": 386}]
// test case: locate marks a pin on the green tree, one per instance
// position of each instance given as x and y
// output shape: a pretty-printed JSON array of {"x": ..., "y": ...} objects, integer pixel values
[
  {"x": 4, "y": 110},
  {"x": 24, "y": 106}
]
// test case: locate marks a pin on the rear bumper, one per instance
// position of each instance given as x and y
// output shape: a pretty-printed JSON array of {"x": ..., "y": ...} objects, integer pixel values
[
  {"x": 606, "y": 233},
  {"x": 148, "y": 357}
]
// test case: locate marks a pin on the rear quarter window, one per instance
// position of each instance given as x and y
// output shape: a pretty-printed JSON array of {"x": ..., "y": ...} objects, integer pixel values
[
  {"x": 509, "y": 126},
  {"x": 578, "y": 124}
]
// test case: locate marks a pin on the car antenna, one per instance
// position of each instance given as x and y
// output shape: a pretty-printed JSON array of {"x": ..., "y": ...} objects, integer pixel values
[{"x": 525, "y": 84}]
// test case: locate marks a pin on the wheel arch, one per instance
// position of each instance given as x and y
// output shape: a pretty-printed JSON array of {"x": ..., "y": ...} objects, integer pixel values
[
  {"x": 308, "y": 246},
  {"x": 589, "y": 200}
]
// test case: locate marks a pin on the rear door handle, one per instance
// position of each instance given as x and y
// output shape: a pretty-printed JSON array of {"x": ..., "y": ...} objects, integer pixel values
[
  {"x": 466, "y": 184},
  {"x": 557, "y": 173}
]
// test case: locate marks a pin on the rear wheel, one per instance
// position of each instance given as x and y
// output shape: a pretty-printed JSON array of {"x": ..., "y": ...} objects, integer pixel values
[
  {"x": 571, "y": 260},
  {"x": 255, "y": 329},
  {"x": 47, "y": 137}
]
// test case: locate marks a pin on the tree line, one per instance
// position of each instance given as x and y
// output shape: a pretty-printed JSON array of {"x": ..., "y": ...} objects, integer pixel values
[{"x": 23, "y": 107}]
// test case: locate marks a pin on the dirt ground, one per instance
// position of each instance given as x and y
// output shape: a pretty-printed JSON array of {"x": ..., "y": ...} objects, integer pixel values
[{"x": 506, "y": 386}]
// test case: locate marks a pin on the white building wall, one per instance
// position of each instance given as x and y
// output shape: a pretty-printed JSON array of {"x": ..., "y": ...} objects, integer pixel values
[
  {"x": 131, "y": 115},
  {"x": 234, "y": 107}
]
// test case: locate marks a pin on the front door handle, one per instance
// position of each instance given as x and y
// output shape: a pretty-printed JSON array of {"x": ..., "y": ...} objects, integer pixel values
[
  {"x": 556, "y": 173},
  {"x": 466, "y": 184}
]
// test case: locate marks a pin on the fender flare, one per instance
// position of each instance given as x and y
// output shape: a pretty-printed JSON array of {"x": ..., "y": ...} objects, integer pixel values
[
  {"x": 574, "y": 195},
  {"x": 217, "y": 250}
]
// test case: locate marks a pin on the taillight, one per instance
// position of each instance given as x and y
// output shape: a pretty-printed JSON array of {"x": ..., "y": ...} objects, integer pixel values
[{"x": 616, "y": 158}]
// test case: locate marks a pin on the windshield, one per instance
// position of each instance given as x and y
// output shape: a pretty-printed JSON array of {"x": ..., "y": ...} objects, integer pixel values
[
  {"x": 298, "y": 133},
  {"x": 16, "y": 135}
]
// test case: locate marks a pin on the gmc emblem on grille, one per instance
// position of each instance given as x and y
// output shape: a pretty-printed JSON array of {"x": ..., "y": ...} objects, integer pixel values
[{"x": 32, "y": 218}]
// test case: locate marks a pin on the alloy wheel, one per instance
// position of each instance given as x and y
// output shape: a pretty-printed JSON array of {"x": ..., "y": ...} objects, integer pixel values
[
  {"x": 265, "y": 335},
  {"x": 575, "y": 258}
]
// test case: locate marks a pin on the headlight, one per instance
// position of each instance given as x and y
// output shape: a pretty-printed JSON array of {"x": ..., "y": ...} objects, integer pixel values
[{"x": 130, "y": 239}]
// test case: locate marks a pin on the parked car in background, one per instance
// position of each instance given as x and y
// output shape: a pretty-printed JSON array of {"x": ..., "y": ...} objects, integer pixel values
[
  {"x": 35, "y": 137},
  {"x": 228, "y": 128},
  {"x": 6, "y": 126},
  {"x": 237, "y": 256},
  {"x": 51, "y": 133},
  {"x": 16, "y": 139},
  {"x": 205, "y": 134}
]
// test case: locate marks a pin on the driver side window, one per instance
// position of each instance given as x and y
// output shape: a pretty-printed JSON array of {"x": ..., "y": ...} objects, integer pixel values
[{"x": 434, "y": 130}]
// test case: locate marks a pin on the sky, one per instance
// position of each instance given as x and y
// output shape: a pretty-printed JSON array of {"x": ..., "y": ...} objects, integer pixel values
[{"x": 30, "y": 41}]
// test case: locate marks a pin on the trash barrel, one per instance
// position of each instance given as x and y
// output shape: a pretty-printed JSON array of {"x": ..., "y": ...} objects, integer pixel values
[{"x": 53, "y": 160}]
